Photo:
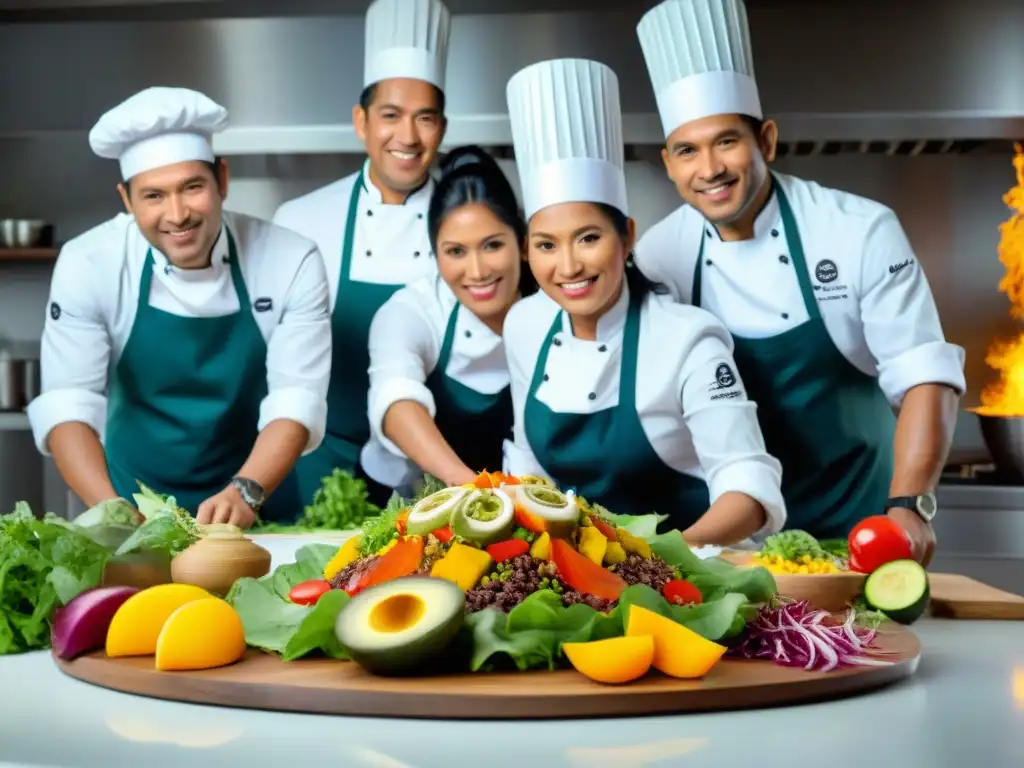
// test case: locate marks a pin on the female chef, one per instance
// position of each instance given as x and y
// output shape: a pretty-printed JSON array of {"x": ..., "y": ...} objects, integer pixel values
[
  {"x": 439, "y": 389},
  {"x": 371, "y": 226},
  {"x": 618, "y": 392},
  {"x": 833, "y": 321}
]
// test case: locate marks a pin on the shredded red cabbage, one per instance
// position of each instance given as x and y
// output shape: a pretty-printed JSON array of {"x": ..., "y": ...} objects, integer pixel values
[{"x": 793, "y": 635}]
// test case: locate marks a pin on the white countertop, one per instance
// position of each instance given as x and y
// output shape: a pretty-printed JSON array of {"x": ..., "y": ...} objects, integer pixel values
[{"x": 965, "y": 706}]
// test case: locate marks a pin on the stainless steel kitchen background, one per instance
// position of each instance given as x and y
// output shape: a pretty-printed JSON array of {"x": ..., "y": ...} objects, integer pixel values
[{"x": 870, "y": 72}]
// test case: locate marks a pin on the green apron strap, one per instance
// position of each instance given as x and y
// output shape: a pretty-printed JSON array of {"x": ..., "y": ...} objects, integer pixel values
[
  {"x": 542, "y": 359},
  {"x": 698, "y": 271},
  {"x": 350, "y": 226},
  {"x": 630, "y": 353},
  {"x": 796, "y": 253},
  {"x": 449, "y": 339}
]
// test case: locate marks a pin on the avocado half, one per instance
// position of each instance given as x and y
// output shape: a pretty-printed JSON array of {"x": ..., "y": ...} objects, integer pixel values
[{"x": 394, "y": 627}]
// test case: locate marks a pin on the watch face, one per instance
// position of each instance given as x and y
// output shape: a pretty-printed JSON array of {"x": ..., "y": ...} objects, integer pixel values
[{"x": 926, "y": 504}]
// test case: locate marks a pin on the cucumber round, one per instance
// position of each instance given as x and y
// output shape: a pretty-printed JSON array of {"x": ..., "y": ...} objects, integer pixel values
[
  {"x": 898, "y": 589},
  {"x": 484, "y": 517},
  {"x": 434, "y": 511}
]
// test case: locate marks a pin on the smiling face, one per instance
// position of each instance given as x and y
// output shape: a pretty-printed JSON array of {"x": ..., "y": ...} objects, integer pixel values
[
  {"x": 579, "y": 258},
  {"x": 402, "y": 128},
  {"x": 178, "y": 209},
  {"x": 720, "y": 165},
  {"x": 480, "y": 259}
]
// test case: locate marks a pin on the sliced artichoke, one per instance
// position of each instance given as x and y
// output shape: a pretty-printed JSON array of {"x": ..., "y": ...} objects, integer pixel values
[
  {"x": 557, "y": 509},
  {"x": 484, "y": 516},
  {"x": 433, "y": 511}
]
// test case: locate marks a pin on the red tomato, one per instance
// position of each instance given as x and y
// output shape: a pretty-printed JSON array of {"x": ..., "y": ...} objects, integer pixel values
[
  {"x": 681, "y": 592},
  {"x": 308, "y": 592},
  {"x": 606, "y": 530},
  {"x": 876, "y": 541}
]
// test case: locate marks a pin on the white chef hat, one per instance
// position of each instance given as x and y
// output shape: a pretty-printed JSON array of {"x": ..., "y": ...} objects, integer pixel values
[
  {"x": 700, "y": 60},
  {"x": 567, "y": 134},
  {"x": 158, "y": 127},
  {"x": 406, "y": 38}
]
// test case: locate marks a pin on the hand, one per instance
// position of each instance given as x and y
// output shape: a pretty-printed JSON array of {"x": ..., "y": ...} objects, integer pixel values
[
  {"x": 228, "y": 506},
  {"x": 921, "y": 533}
]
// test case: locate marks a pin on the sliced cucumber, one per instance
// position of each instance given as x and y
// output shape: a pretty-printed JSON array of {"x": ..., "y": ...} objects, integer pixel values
[
  {"x": 899, "y": 589},
  {"x": 484, "y": 517},
  {"x": 558, "y": 510},
  {"x": 433, "y": 512}
]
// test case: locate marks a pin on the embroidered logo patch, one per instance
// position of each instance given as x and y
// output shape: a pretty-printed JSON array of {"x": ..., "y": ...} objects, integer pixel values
[
  {"x": 894, "y": 268},
  {"x": 55, "y": 310},
  {"x": 826, "y": 271},
  {"x": 263, "y": 305},
  {"x": 725, "y": 378}
]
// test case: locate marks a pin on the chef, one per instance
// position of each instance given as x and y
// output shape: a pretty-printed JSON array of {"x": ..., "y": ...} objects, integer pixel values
[
  {"x": 185, "y": 347},
  {"x": 618, "y": 392},
  {"x": 371, "y": 226},
  {"x": 834, "y": 323},
  {"x": 439, "y": 387}
]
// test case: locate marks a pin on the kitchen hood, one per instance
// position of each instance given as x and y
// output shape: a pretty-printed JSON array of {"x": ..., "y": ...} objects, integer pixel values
[{"x": 907, "y": 78}]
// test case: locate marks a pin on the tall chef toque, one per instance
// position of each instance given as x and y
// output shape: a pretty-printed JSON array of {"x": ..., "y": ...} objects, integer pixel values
[
  {"x": 158, "y": 127},
  {"x": 407, "y": 39},
  {"x": 567, "y": 134},
  {"x": 700, "y": 60}
]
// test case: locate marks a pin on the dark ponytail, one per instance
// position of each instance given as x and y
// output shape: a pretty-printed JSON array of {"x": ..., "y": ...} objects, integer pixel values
[
  {"x": 637, "y": 281},
  {"x": 470, "y": 175}
]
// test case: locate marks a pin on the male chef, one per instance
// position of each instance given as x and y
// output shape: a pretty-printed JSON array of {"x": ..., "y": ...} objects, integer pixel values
[
  {"x": 833, "y": 319},
  {"x": 371, "y": 226},
  {"x": 185, "y": 347}
]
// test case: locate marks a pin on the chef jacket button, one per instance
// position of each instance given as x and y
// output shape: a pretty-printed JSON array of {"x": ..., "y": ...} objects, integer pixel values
[
  {"x": 557, "y": 342},
  {"x": 167, "y": 269},
  {"x": 419, "y": 215},
  {"x": 785, "y": 315},
  {"x": 784, "y": 258},
  {"x": 592, "y": 396},
  {"x": 369, "y": 253},
  {"x": 709, "y": 233},
  {"x": 468, "y": 334},
  {"x": 415, "y": 254},
  {"x": 369, "y": 212},
  {"x": 226, "y": 260},
  {"x": 603, "y": 348},
  {"x": 775, "y": 233},
  {"x": 708, "y": 262},
  {"x": 546, "y": 377}
]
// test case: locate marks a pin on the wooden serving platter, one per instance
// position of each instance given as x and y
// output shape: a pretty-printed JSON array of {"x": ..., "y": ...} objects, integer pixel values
[
  {"x": 322, "y": 686},
  {"x": 960, "y": 597}
]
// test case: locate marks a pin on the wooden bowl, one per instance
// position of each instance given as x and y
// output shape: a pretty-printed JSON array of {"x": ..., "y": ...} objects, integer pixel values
[{"x": 831, "y": 592}]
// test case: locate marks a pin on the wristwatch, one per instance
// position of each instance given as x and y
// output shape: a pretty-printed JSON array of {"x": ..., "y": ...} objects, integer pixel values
[
  {"x": 252, "y": 492},
  {"x": 925, "y": 505}
]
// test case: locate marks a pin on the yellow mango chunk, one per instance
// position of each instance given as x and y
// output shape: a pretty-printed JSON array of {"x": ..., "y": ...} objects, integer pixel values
[
  {"x": 202, "y": 634},
  {"x": 678, "y": 650},
  {"x": 615, "y": 660},
  {"x": 541, "y": 547},
  {"x": 633, "y": 544},
  {"x": 463, "y": 565},
  {"x": 347, "y": 554},
  {"x": 592, "y": 545},
  {"x": 614, "y": 554},
  {"x": 137, "y": 623}
]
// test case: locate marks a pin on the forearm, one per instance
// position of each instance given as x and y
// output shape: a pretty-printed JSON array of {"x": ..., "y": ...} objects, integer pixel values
[
  {"x": 81, "y": 461},
  {"x": 924, "y": 433},
  {"x": 409, "y": 426},
  {"x": 733, "y": 517},
  {"x": 278, "y": 447}
]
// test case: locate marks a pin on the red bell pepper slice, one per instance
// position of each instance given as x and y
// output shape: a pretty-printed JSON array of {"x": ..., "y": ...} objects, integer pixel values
[
  {"x": 444, "y": 535},
  {"x": 681, "y": 592},
  {"x": 529, "y": 521},
  {"x": 606, "y": 530},
  {"x": 506, "y": 550},
  {"x": 583, "y": 574},
  {"x": 403, "y": 559},
  {"x": 308, "y": 592}
]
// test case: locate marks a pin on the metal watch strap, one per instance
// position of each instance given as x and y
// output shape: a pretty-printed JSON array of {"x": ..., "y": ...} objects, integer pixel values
[{"x": 251, "y": 492}]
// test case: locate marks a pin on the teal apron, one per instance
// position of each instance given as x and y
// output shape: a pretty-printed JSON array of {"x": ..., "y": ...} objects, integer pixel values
[
  {"x": 185, "y": 401},
  {"x": 348, "y": 425},
  {"x": 827, "y": 422},
  {"x": 474, "y": 424},
  {"x": 605, "y": 456}
]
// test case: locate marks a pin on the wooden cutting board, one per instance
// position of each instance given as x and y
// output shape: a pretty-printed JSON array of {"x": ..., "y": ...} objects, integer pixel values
[
  {"x": 322, "y": 686},
  {"x": 960, "y": 597}
]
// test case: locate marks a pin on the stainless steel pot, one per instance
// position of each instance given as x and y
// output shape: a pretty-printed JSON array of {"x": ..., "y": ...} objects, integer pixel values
[{"x": 1004, "y": 437}]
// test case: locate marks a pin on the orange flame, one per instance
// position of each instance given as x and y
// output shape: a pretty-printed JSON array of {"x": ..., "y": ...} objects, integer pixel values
[{"x": 1005, "y": 395}]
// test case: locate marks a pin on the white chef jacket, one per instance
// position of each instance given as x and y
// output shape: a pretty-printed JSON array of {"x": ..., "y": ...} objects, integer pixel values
[
  {"x": 94, "y": 296},
  {"x": 690, "y": 425},
  {"x": 406, "y": 337},
  {"x": 873, "y": 296},
  {"x": 391, "y": 244}
]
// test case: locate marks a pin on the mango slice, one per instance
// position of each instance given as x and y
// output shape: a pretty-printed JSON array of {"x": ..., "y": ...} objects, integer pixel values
[
  {"x": 678, "y": 650},
  {"x": 137, "y": 623},
  {"x": 202, "y": 634},
  {"x": 615, "y": 660}
]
